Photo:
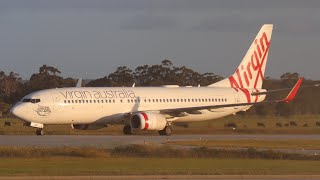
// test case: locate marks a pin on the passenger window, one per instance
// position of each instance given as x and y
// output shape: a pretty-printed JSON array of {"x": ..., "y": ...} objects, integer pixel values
[
  {"x": 160, "y": 100},
  {"x": 69, "y": 101},
  {"x": 177, "y": 100},
  {"x": 121, "y": 100},
  {"x": 113, "y": 101},
  {"x": 65, "y": 101},
  {"x": 109, "y": 100},
  {"x": 26, "y": 100}
]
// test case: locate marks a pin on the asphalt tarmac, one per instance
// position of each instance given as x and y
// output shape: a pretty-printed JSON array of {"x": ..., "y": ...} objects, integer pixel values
[{"x": 112, "y": 141}]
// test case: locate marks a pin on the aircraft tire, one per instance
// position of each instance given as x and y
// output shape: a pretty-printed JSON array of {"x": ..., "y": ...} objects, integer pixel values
[
  {"x": 167, "y": 131},
  {"x": 40, "y": 132},
  {"x": 127, "y": 130}
]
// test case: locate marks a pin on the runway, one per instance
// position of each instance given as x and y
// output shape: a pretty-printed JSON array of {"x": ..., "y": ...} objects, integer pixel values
[{"x": 112, "y": 141}]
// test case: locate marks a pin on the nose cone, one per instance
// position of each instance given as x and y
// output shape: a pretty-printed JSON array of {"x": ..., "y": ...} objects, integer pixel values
[{"x": 17, "y": 111}]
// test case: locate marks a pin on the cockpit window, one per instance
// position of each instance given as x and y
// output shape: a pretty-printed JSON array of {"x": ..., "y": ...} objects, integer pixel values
[{"x": 31, "y": 100}]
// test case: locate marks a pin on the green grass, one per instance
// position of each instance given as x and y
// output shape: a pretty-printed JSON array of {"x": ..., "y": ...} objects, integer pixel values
[
  {"x": 150, "y": 160},
  {"x": 245, "y": 125},
  {"x": 268, "y": 144},
  {"x": 147, "y": 151},
  {"x": 152, "y": 166}
]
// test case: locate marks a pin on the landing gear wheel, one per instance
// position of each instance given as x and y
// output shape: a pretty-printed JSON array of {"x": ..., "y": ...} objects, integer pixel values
[
  {"x": 40, "y": 132},
  {"x": 127, "y": 129},
  {"x": 167, "y": 131}
]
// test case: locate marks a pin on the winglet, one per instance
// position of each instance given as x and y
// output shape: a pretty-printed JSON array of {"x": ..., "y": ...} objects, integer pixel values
[
  {"x": 79, "y": 83},
  {"x": 293, "y": 92}
]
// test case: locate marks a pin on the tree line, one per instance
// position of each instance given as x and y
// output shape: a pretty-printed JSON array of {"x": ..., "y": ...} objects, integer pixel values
[{"x": 12, "y": 88}]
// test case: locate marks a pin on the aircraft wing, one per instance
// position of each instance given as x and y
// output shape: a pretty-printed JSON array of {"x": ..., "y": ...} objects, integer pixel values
[{"x": 292, "y": 94}]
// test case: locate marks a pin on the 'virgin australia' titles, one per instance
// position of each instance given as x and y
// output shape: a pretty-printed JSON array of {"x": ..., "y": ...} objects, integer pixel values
[{"x": 102, "y": 94}]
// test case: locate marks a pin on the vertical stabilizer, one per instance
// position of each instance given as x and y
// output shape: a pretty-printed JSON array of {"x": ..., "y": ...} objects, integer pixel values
[{"x": 250, "y": 72}]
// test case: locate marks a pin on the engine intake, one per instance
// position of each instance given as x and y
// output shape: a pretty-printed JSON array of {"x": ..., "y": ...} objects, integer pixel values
[{"x": 148, "y": 121}]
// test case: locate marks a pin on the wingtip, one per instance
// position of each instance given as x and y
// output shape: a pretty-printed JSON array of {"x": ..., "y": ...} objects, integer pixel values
[{"x": 293, "y": 92}]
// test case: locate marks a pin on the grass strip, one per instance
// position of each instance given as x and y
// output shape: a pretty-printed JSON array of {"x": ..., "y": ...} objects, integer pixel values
[
  {"x": 147, "y": 151},
  {"x": 267, "y": 144},
  {"x": 153, "y": 166}
]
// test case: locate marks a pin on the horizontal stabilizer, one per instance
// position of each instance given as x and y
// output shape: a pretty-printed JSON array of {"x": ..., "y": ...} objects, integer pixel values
[{"x": 284, "y": 89}]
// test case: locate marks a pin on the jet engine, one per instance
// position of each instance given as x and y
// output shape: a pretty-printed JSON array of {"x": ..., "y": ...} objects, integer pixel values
[
  {"x": 148, "y": 121},
  {"x": 87, "y": 126}
]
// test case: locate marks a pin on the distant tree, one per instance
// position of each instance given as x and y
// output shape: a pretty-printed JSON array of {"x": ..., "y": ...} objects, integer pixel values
[
  {"x": 289, "y": 79},
  {"x": 10, "y": 86},
  {"x": 101, "y": 82},
  {"x": 48, "y": 77},
  {"x": 284, "y": 109},
  {"x": 123, "y": 76}
]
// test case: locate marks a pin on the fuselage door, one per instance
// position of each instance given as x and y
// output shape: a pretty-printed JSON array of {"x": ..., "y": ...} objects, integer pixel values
[
  {"x": 236, "y": 96},
  {"x": 56, "y": 102}
]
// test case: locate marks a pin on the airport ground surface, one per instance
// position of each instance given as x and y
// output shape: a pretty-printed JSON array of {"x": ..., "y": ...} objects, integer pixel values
[
  {"x": 170, "y": 177},
  {"x": 67, "y": 167},
  {"x": 113, "y": 141},
  {"x": 163, "y": 168}
]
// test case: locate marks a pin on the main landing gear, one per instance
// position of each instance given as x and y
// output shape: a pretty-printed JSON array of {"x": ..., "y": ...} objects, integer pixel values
[
  {"x": 40, "y": 132},
  {"x": 167, "y": 131},
  {"x": 127, "y": 129}
]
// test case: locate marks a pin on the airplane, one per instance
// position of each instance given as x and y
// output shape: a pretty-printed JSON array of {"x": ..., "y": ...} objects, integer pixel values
[{"x": 154, "y": 108}]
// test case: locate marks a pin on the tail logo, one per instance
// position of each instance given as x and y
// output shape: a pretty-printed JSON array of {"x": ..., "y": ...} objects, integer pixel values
[{"x": 252, "y": 71}]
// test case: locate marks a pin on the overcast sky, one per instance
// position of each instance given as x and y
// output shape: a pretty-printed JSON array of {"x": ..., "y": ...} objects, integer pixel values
[{"x": 90, "y": 38}]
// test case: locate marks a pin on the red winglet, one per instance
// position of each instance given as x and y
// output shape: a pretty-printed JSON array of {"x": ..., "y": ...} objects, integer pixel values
[{"x": 293, "y": 92}]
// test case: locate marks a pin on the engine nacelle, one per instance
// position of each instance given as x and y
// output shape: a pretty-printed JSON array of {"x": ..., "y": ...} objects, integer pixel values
[
  {"x": 148, "y": 121},
  {"x": 87, "y": 126}
]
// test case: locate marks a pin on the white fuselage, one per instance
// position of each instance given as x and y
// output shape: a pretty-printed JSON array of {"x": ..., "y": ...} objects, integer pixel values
[{"x": 107, "y": 105}]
